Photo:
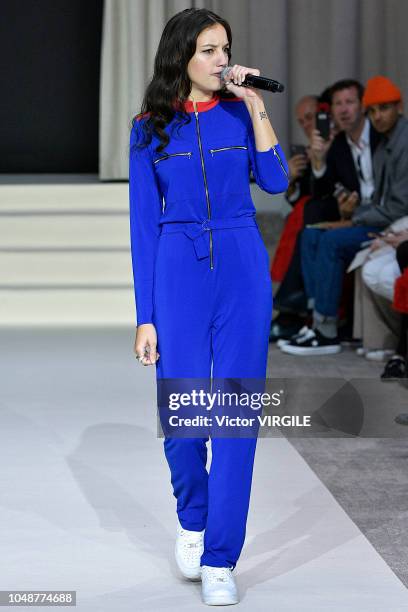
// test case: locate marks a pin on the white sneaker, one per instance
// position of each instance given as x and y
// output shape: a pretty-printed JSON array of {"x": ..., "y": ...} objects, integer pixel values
[
  {"x": 189, "y": 549},
  {"x": 218, "y": 586},
  {"x": 379, "y": 354}
]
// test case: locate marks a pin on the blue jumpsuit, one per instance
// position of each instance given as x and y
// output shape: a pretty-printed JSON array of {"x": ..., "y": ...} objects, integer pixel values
[{"x": 201, "y": 276}]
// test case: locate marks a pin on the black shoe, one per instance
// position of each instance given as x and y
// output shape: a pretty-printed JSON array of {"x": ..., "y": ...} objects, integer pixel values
[
  {"x": 394, "y": 368},
  {"x": 402, "y": 419},
  {"x": 312, "y": 342}
]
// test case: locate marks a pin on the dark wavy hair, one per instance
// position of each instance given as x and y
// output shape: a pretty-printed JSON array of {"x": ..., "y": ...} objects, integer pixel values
[{"x": 170, "y": 81}]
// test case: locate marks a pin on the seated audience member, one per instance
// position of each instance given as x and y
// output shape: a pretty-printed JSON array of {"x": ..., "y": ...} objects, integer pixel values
[
  {"x": 375, "y": 321},
  {"x": 401, "y": 305},
  {"x": 327, "y": 252},
  {"x": 290, "y": 297},
  {"x": 397, "y": 366},
  {"x": 299, "y": 164},
  {"x": 345, "y": 159}
]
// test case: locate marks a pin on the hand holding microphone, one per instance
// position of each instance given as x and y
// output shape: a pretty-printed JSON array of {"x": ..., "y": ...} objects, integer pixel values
[
  {"x": 241, "y": 77},
  {"x": 247, "y": 85}
]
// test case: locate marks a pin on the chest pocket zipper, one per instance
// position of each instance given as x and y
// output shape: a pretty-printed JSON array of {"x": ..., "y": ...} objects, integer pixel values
[
  {"x": 189, "y": 154},
  {"x": 212, "y": 151}
]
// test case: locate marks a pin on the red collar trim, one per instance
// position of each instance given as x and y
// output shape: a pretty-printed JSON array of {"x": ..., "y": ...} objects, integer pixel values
[{"x": 188, "y": 105}]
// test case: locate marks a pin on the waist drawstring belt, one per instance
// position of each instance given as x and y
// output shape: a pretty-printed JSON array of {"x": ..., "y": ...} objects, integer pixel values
[{"x": 196, "y": 230}]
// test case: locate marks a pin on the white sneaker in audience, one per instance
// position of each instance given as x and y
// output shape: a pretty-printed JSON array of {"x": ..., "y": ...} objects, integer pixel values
[
  {"x": 379, "y": 354},
  {"x": 218, "y": 586},
  {"x": 361, "y": 351}
]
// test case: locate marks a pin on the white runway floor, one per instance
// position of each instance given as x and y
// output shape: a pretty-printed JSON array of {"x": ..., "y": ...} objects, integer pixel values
[{"x": 86, "y": 500}]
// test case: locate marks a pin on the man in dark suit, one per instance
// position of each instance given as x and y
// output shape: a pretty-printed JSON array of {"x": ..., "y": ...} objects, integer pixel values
[{"x": 344, "y": 159}]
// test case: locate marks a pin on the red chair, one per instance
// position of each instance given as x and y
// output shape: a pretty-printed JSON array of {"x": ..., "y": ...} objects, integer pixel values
[{"x": 400, "y": 302}]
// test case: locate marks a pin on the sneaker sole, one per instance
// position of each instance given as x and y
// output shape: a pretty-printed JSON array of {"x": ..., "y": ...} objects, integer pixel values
[
  {"x": 221, "y": 601},
  {"x": 304, "y": 351}
]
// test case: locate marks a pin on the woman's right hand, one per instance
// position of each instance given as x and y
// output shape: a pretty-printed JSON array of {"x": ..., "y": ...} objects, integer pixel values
[{"x": 146, "y": 343}]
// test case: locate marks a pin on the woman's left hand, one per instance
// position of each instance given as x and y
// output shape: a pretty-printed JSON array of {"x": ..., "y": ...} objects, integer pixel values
[{"x": 236, "y": 76}]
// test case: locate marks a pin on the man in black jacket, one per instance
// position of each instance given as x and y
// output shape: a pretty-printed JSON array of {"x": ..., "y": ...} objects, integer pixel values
[{"x": 345, "y": 159}]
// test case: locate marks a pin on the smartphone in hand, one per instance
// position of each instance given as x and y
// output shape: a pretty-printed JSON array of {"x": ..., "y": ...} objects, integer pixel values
[{"x": 323, "y": 123}]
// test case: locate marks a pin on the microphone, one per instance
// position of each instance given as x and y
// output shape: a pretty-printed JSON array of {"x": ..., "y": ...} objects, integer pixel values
[{"x": 257, "y": 82}]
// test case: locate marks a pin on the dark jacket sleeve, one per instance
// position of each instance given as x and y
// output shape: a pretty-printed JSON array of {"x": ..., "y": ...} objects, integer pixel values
[
  {"x": 302, "y": 187},
  {"x": 324, "y": 186},
  {"x": 145, "y": 208}
]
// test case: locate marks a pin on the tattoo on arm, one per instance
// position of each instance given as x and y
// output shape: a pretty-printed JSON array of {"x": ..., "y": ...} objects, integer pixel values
[{"x": 263, "y": 115}]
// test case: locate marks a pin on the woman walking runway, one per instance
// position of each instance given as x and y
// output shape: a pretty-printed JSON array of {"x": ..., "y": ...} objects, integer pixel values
[{"x": 201, "y": 270}]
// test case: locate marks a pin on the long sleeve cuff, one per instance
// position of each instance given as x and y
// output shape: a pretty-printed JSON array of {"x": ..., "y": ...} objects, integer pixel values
[
  {"x": 272, "y": 170},
  {"x": 144, "y": 303}
]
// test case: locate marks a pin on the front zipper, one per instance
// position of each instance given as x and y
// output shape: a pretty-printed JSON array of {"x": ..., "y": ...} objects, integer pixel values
[
  {"x": 280, "y": 161},
  {"x": 156, "y": 161},
  {"x": 206, "y": 187},
  {"x": 212, "y": 151}
]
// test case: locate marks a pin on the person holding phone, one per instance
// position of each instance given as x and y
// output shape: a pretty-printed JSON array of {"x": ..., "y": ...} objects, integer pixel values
[
  {"x": 344, "y": 158},
  {"x": 289, "y": 299},
  {"x": 299, "y": 162},
  {"x": 201, "y": 270}
]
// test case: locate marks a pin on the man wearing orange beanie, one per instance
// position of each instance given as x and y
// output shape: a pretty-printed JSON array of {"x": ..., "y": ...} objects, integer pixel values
[
  {"x": 337, "y": 245},
  {"x": 383, "y": 103}
]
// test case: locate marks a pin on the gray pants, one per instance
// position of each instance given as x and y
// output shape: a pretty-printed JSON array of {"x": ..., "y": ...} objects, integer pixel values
[{"x": 375, "y": 321}]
